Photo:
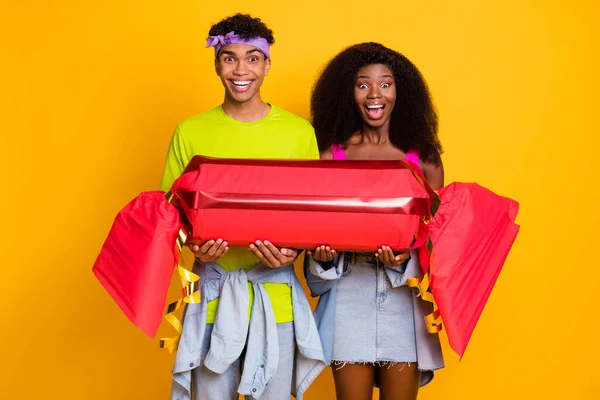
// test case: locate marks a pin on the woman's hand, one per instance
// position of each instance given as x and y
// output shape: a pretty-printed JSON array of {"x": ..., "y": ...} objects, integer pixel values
[
  {"x": 387, "y": 256},
  {"x": 210, "y": 251},
  {"x": 271, "y": 256},
  {"x": 323, "y": 254}
]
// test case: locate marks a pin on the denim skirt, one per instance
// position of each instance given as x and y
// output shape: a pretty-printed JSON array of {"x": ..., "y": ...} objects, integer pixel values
[{"x": 373, "y": 321}]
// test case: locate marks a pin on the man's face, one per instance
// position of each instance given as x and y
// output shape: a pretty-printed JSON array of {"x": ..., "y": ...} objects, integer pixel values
[{"x": 242, "y": 69}]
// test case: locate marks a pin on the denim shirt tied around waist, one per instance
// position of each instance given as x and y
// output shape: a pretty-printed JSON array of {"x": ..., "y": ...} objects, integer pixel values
[{"x": 233, "y": 331}]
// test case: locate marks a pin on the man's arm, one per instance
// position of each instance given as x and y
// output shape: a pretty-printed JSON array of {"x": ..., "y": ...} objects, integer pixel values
[{"x": 175, "y": 162}]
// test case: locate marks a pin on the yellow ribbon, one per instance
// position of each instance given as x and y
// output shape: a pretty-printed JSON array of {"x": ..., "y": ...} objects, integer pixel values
[
  {"x": 433, "y": 321},
  {"x": 190, "y": 283}
]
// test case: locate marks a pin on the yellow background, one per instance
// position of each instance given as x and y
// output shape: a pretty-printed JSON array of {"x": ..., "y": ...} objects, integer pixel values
[{"x": 91, "y": 91}]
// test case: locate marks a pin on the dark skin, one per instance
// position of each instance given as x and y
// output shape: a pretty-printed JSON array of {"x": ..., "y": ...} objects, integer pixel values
[{"x": 375, "y": 96}]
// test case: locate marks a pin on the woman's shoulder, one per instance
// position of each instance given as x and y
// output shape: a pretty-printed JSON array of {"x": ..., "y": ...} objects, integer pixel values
[{"x": 326, "y": 154}]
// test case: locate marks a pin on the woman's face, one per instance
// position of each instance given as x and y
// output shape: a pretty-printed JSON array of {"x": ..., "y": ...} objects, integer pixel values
[{"x": 375, "y": 94}]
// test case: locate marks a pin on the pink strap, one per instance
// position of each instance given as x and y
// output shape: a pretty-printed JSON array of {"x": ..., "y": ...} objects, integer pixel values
[
  {"x": 412, "y": 156},
  {"x": 337, "y": 151}
]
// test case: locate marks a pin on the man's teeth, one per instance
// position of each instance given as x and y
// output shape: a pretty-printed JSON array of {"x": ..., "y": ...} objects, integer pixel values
[
  {"x": 242, "y": 83},
  {"x": 376, "y": 106}
]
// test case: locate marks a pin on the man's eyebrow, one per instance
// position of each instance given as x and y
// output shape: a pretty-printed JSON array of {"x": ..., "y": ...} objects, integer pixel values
[{"x": 232, "y": 53}]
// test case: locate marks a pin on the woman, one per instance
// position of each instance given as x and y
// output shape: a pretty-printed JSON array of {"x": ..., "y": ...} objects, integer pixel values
[{"x": 371, "y": 102}]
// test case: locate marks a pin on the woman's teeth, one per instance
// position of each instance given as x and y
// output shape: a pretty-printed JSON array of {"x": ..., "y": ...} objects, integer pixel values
[{"x": 375, "y": 111}]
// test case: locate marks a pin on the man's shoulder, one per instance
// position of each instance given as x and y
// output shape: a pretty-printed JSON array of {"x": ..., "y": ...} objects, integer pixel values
[
  {"x": 197, "y": 122},
  {"x": 292, "y": 119}
]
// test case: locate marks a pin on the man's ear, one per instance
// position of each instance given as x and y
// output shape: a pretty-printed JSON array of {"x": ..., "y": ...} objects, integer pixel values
[
  {"x": 267, "y": 66},
  {"x": 217, "y": 66}
]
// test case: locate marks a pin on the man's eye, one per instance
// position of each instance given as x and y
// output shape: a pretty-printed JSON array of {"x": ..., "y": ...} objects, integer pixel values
[{"x": 253, "y": 59}]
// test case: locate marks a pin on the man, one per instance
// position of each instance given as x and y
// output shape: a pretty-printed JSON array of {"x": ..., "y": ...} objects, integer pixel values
[{"x": 247, "y": 343}]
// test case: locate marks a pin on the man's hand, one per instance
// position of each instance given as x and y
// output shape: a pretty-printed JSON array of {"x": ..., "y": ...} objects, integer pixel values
[
  {"x": 271, "y": 256},
  {"x": 210, "y": 251}
]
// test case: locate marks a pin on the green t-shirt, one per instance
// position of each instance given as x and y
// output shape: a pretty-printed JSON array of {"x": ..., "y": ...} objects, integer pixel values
[{"x": 213, "y": 133}]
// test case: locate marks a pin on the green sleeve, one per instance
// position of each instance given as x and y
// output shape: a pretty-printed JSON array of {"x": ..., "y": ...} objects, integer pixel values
[{"x": 176, "y": 161}]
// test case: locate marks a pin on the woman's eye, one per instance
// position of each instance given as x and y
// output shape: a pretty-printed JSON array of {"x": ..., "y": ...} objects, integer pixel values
[
  {"x": 385, "y": 85},
  {"x": 363, "y": 86}
]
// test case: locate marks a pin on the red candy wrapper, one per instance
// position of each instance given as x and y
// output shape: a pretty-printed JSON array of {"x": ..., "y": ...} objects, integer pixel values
[
  {"x": 136, "y": 262},
  {"x": 472, "y": 234},
  {"x": 348, "y": 205}
]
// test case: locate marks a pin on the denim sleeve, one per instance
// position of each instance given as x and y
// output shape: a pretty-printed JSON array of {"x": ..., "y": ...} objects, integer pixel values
[
  {"x": 320, "y": 277},
  {"x": 400, "y": 275}
]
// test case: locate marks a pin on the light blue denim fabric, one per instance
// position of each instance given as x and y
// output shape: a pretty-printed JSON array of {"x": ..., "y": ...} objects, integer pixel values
[
  {"x": 323, "y": 282},
  {"x": 208, "y": 385},
  {"x": 232, "y": 332}
]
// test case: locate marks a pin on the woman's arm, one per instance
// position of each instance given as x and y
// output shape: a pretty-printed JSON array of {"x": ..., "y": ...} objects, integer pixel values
[{"x": 434, "y": 174}]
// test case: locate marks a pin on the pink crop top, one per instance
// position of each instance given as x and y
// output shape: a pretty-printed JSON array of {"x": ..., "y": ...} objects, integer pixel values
[{"x": 338, "y": 153}]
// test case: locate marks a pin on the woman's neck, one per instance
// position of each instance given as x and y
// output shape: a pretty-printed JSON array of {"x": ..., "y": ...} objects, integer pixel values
[{"x": 375, "y": 135}]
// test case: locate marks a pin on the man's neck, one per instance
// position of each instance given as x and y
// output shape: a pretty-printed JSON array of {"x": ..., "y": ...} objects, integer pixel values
[{"x": 249, "y": 111}]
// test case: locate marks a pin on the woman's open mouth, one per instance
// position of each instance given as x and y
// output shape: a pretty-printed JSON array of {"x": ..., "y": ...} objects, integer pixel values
[{"x": 375, "y": 111}]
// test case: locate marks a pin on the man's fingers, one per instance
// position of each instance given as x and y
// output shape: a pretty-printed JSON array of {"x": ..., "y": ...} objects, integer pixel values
[
  {"x": 219, "y": 245},
  {"x": 254, "y": 249},
  {"x": 278, "y": 255},
  {"x": 206, "y": 246},
  {"x": 272, "y": 261},
  {"x": 210, "y": 250},
  {"x": 214, "y": 248},
  {"x": 222, "y": 250},
  {"x": 290, "y": 254}
]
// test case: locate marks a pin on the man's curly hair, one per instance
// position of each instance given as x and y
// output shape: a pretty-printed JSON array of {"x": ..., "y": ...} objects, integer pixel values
[
  {"x": 243, "y": 25},
  {"x": 335, "y": 116}
]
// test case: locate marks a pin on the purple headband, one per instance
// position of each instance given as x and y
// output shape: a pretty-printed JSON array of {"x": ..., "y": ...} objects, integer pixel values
[{"x": 231, "y": 38}]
